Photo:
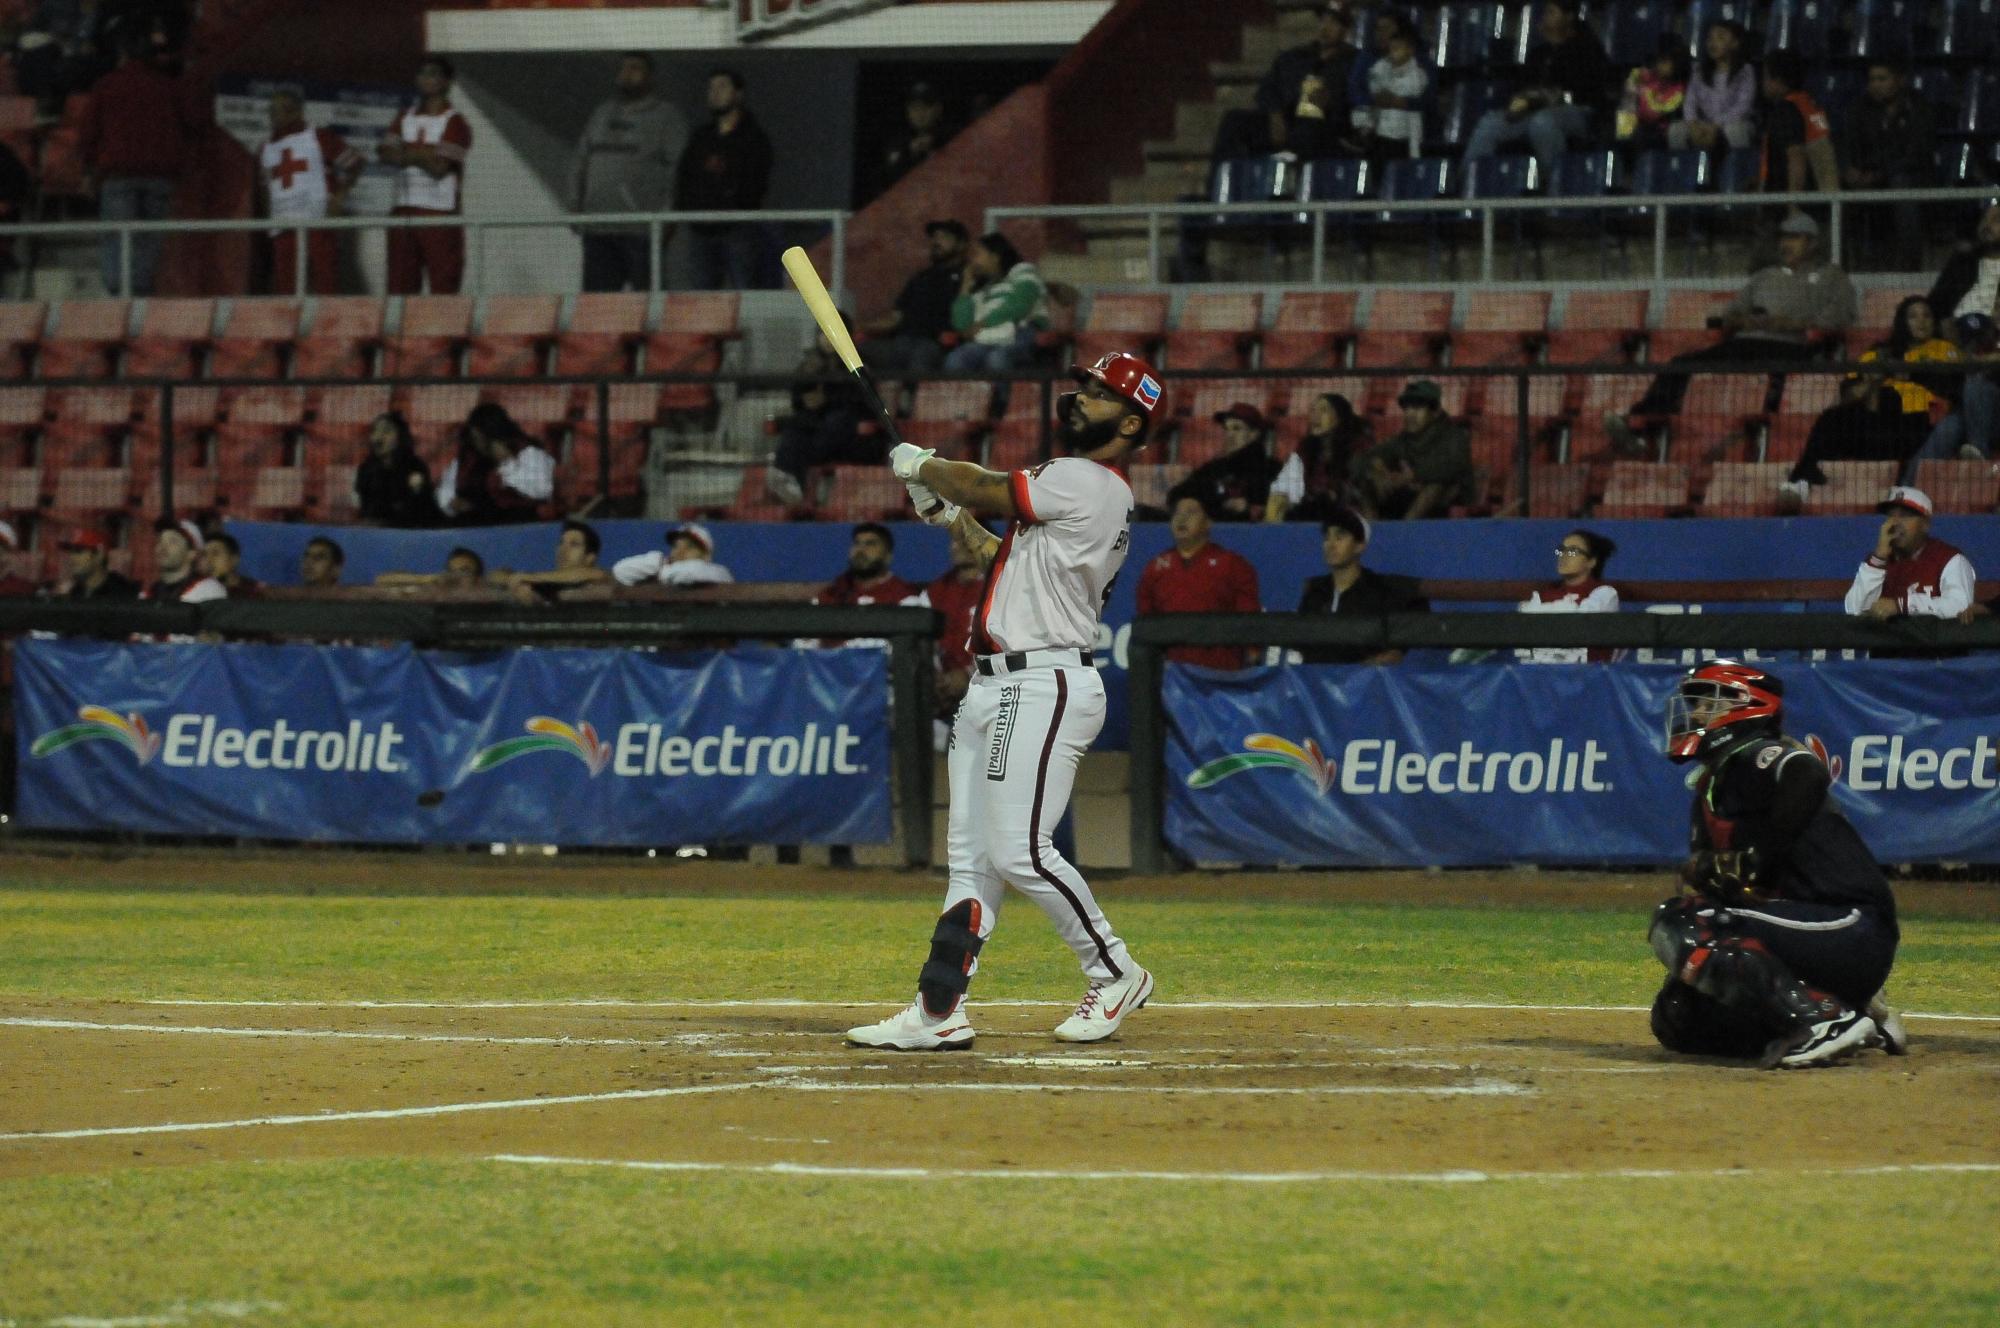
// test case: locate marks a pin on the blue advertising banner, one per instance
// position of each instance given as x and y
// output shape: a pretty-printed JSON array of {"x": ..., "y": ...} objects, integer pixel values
[
  {"x": 579, "y": 747},
  {"x": 1412, "y": 766}
]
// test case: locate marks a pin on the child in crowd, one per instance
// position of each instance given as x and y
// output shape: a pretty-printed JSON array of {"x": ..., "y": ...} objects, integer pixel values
[
  {"x": 1655, "y": 94},
  {"x": 1396, "y": 86}
]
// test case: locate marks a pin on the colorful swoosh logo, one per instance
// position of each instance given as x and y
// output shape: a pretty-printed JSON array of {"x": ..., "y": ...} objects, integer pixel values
[
  {"x": 547, "y": 735},
  {"x": 1832, "y": 763},
  {"x": 100, "y": 725},
  {"x": 1267, "y": 751}
]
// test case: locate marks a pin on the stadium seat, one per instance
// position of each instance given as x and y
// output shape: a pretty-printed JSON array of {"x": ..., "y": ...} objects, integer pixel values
[
  {"x": 716, "y": 314},
  {"x": 1311, "y": 329},
  {"x": 1501, "y": 327},
  {"x": 85, "y": 423},
  {"x": 1644, "y": 489},
  {"x": 1598, "y": 327},
  {"x": 435, "y": 411},
  {"x": 948, "y": 415},
  {"x": 1017, "y": 444},
  {"x": 86, "y": 340},
  {"x": 1960, "y": 487},
  {"x": 21, "y": 323},
  {"x": 1967, "y": 29},
  {"x": 1554, "y": 491},
  {"x": 1684, "y": 325},
  {"x": 197, "y": 410},
  {"x": 543, "y": 411},
  {"x": 1720, "y": 411},
  {"x": 693, "y": 328},
  {"x": 1405, "y": 329},
  {"x": 1336, "y": 180},
  {"x": 427, "y": 344},
  {"x": 1808, "y": 394},
  {"x": 1743, "y": 488},
  {"x": 1595, "y": 396},
  {"x": 1215, "y": 330},
  {"x": 275, "y": 492},
  {"x": 20, "y": 488},
  {"x": 1885, "y": 29},
  {"x": 334, "y": 498},
  {"x": 1411, "y": 180},
  {"x": 753, "y": 502},
  {"x": 862, "y": 493},
  {"x": 93, "y": 489},
  {"x": 173, "y": 336},
  {"x": 1852, "y": 488},
  {"x": 23, "y": 411},
  {"x": 194, "y": 491},
  {"x": 1151, "y": 483},
  {"x": 515, "y": 338},
  {"x": 340, "y": 416},
  {"x": 255, "y": 337},
  {"x": 1116, "y": 322},
  {"x": 1878, "y": 311},
  {"x": 604, "y": 333},
  {"x": 1631, "y": 31},
  {"x": 345, "y": 334}
]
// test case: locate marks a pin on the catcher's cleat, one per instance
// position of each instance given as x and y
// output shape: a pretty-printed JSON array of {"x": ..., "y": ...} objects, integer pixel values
[
  {"x": 1105, "y": 1006},
  {"x": 1895, "y": 1038},
  {"x": 1825, "y": 1043},
  {"x": 913, "y": 1030}
]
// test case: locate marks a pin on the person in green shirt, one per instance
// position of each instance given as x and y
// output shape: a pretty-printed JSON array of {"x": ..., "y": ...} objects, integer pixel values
[
  {"x": 1002, "y": 305},
  {"x": 1421, "y": 471}
]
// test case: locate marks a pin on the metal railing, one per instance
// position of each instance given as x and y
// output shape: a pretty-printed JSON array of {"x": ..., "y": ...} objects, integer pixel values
[
  {"x": 481, "y": 231},
  {"x": 1319, "y": 217}
]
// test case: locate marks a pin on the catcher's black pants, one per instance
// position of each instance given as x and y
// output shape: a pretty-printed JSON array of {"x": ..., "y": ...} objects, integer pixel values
[{"x": 1836, "y": 948}]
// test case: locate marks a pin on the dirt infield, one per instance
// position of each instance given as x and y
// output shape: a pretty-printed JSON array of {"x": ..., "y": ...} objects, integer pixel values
[{"x": 1331, "y": 1088}]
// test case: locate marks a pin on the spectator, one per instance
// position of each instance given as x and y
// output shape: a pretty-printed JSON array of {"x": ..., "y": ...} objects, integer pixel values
[
  {"x": 577, "y": 548},
  {"x": 12, "y": 584},
  {"x": 1579, "y": 587},
  {"x": 625, "y": 163},
  {"x": 1721, "y": 106},
  {"x": 1196, "y": 576},
  {"x": 1309, "y": 484},
  {"x": 1421, "y": 471},
  {"x": 1966, "y": 298},
  {"x": 392, "y": 486},
  {"x": 429, "y": 143},
  {"x": 303, "y": 174},
  {"x": 925, "y": 131},
  {"x": 689, "y": 560},
  {"x": 1798, "y": 154},
  {"x": 1235, "y": 486},
  {"x": 1886, "y": 142},
  {"x": 321, "y": 563},
  {"x": 57, "y": 53},
  {"x": 1655, "y": 94},
  {"x": 1916, "y": 338},
  {"x": 1909, "y": 572},
  {"x": 910, "y": 337},
  {"x": 726, "y": 167},
  {"x": 1354, "y": 590},
  {"x": 87, "y": 569},
  {"x": 1002, "y": 306},
  {"x": 955, "y": 595},
  {"x": 137, "y": 131},
  {"x": 1393, "y": 118},
  {"x": 463, "y": 571},
  {"x": 1302, "y": 103},
  {"x": 176, "y": 545},
  {"x": 867, "y": 579},
  {"x": 1868, "y": 423},
  {"x": 1772, "y": 318},
  {"x": 500, "y": 474},
  {"x": 1387, "y": 24},
  {"x": 824, "y": 428},
  {"x": 222, "y": 560},
  {"x": 1562, "y": 89}
]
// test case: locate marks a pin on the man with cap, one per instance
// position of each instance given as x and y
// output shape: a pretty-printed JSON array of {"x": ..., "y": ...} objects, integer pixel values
[
  {"x": 1235, "y": 486},
  {"x": 175, "y": 546},
  {"x": 924, "y": 132},
  {"x": 1774, "y": 318},
  {"x": 910, "y": 336},
  {"x": 1035, "y": 702},
  {"x": 1909, "y": 572},
  {"x": 1197, "y": 576},
  {"x": 1351, "y": 589},
  {"x": 689, "y": 560},
  {"x": 1421, "y": 471},
  {"x": 12, "y": 584},
  {"x": 87, "y": 568}
]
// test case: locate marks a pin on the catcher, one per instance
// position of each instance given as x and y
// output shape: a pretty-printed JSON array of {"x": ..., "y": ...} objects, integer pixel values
[{"x": 1780, "y": 943}]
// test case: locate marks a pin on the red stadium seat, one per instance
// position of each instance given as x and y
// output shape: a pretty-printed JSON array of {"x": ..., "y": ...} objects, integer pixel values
[
  {"x": 86, "y": 340},
  {"x": 1878, "y": 311},
  {"x": 515, "y": 339},
  {"x": 23, "y": 410},
  {"x": 863, "y": 493},
  {"x": 334, "y": 499},
  {"x": 1644, "y": 489},
  {"x": 94, "y": 489},
  {"x": 605, "y": 329},
  {"x": 716, "y": 314},
  {"x": 255, "y": 416},
  {"x": 948, "y": 415},
  {"x": 1553, "y": 491},
  {"x": 1311, "y": 329},
  {"x": 1743, "y": 488},
  {"x": 1014, "y": 445},
  {"x": 1151, "y": 484},
  {"x": 542, "y": 411},
  {"x": 1809, "y": 394},
  {"x": 1852, "y": 488},
  {"x": 1501, "y": 327},
  {"x": 255, "y": 337},
  {"x": 753, "y": 500},
  {"x": 1598, "y": 327},
  {"x": 1684, "y": 325},
  {"x": 20, "y": 488},
  {"x": 276, "y": 491},
  {"x": 1126, "y": 322},
  {"x": 1720, "y": 411},
  {"x": 21, "y": 323},
  {"x": 346, "y": 332},
  {"x": 1404, "y": 329},
  {"x": 693, "y": 327},
  {"x": 1960, "y": 487},
  {"x": 173, "y": 336},
  {"x": 434, "y": 329},
  {"x": 86, "y": 421},
  {"x": 1215, "y": 330}
]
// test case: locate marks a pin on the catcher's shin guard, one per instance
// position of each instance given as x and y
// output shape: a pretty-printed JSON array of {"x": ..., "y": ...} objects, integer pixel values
[
  {"x": 1688, "y": 1022},
  {"x": 948, "y": 972},
  {"x": 1738, "y": 971}
]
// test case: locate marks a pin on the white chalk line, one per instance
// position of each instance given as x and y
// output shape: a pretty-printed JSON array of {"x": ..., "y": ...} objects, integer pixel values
[
  {"x": 817, "y": 1170},
  {"x": 84, "y": 1025},
  {"x": 607, "y": 1002}
]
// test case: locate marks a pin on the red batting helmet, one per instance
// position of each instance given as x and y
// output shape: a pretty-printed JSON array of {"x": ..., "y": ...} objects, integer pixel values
[
  {"x": 1720, "y": 704},
  {"x": 1130, "y": 377}
]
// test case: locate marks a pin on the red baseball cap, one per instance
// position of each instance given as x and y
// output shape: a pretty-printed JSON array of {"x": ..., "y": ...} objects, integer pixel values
[
  {"x": 85, "y": 538},
  {"x": 1243, "y": 410}
]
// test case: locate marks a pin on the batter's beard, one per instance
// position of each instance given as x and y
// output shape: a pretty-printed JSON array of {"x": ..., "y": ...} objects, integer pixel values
[{"x": 1086, "y": 437}]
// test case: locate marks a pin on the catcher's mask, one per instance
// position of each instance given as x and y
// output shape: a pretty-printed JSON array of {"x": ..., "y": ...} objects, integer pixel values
[{"x": 1718, "y": 705}]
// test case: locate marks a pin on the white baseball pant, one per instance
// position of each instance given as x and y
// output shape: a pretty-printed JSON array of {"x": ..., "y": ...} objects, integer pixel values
[{"x": 1015, "y": 745}]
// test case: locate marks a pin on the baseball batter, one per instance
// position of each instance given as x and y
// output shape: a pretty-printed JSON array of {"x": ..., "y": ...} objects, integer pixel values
[{"x": 1034, "y": 704}]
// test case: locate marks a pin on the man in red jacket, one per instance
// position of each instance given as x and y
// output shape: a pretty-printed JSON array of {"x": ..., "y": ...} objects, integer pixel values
[
  {"x": 1196, "y": 576},
  {"x": 135, "y": 142}
]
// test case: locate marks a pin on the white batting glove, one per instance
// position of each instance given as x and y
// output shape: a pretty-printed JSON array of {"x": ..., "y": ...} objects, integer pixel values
[
  {"x": 930, "y": 508},
  {"x": 907, "y": 458}
]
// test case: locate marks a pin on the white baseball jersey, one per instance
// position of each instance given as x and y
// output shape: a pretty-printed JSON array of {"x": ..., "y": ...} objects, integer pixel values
[
  {"x": 1056, "y": 564},
  {"x": 642, "y": 568},
  {"x": 299, "y": 169},
  {"x": 451, "y": 137}
]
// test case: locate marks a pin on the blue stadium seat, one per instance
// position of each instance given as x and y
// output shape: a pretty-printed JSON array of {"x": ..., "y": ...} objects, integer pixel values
[
  {"x": 1337, "y": 180},
  {"x": 1836, "y": 89},
  {"x": 1631, "y": 31},
  {"x": 1967, "y": 29},
  {"x": 1885, "y": 29},
  {"x": 1979, "y": 112},
  {"x": 1458, "y": 110},
  {"x": 1701, "y": 13},
  {"x": 1939, "y": 87},
  {"x": 1413, "y": 179},
  {"x": 1805, "y": 26},
  {"x": 1499, "y": 177},
  {"x": 1467, "y": 36}
]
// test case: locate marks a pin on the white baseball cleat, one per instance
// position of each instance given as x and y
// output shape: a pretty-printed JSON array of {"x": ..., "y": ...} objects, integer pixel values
[
  {"x": 1105, "y": 1006},
  {"x": 1825, "y": 1043},
  {"x": 1895, "y": 1038},
  {"x": 912, "y": 1029}
]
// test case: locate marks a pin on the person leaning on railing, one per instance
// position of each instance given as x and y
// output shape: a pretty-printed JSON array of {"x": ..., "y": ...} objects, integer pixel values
[{"x": 1579, "y": 587}]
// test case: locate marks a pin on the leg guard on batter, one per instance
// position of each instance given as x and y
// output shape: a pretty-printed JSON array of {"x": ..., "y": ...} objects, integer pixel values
[
  {"x": 948, "y": 972},
  {"x": 1692, "y": 940}
]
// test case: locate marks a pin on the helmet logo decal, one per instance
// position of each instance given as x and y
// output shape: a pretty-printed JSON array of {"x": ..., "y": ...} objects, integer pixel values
[{"x": 1147, "y": 393}]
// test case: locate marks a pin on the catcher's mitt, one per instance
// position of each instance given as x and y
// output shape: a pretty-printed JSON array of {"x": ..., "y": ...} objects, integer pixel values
[{"x": 1728, "y": 876}]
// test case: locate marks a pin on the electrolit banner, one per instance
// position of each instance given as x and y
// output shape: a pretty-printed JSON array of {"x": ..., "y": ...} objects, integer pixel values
[
  {"x": 579, "y": 747},
  {"x": 1443, "y": 766}
]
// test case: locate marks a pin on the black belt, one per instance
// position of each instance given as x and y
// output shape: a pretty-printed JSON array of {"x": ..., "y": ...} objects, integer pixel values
[{"x": 1015, "y": 660}]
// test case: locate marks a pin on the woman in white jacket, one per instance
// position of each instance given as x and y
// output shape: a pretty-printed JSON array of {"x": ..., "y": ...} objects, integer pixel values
[{"x": 1579, "y": 588}]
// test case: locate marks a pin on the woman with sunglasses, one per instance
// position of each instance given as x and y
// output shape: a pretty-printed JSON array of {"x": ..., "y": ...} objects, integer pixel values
[{"x": 1579, "y": 588}]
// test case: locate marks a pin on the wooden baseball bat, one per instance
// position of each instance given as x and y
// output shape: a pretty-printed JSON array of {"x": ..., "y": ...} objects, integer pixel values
[{"x": 813, "y": 291}]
